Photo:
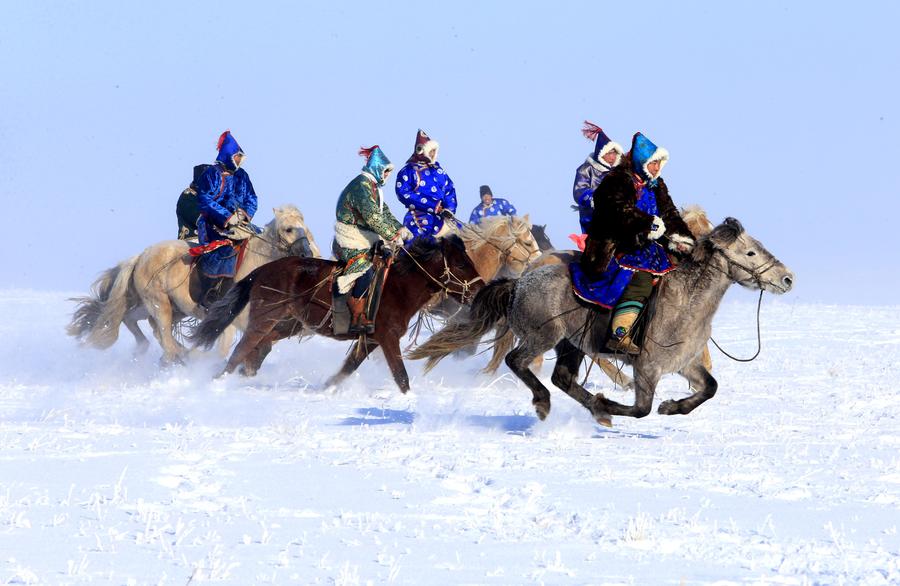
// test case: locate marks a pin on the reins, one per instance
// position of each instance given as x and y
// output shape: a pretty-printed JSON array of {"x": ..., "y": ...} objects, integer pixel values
[{"x": 447, "y": 276}]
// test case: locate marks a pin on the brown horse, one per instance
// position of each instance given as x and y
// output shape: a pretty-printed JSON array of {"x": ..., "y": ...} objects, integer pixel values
[{"x": 294, "y": 294}]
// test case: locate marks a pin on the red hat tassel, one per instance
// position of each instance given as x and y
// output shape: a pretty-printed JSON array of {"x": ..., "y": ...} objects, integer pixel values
[{"x": 591, "y": 130}]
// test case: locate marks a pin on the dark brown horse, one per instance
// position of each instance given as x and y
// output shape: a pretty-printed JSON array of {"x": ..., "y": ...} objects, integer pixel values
[{"x": 293, "y": 295}]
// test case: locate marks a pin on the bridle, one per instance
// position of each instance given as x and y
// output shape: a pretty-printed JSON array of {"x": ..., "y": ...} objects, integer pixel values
[
  {"x": 447, "y": 278},
  {"x": 514, "y": 240}
]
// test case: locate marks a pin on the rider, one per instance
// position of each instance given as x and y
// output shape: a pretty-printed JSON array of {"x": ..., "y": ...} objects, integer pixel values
[
  {"x": 363, "y": 220},
  {"x": 227, "y": 201},
  {"x": 427, "y": 192},
  {"x": 607, "y": 154},
  {"x": 634, "y": 212},
  {"x": 490, "y": 206}
]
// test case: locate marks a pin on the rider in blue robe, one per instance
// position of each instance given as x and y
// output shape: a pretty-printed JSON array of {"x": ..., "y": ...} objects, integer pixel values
[
  {"x": 624, "y": 255},
  {"x": 607, "y": 154},
  {"x": 425, "y": 189},
  {"x": 490, "y": 206},
  {"x": 226, "y": 199}
]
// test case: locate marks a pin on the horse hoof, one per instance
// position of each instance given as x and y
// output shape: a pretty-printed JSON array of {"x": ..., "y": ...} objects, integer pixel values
[
  {"x": 603, "y": 419},
  {"x": 668, "y": 407},
  {"x": 542, "y": 408}
]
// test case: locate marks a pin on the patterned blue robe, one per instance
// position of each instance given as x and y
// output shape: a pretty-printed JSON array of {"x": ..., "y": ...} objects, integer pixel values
[
  {"x": 587, "y": 177},
  {"x": 422, "y": 188},
  {"x": 219, "y": 202},
  {"x": 498, "y": 207},
  {"x": 609, "y": 287}
]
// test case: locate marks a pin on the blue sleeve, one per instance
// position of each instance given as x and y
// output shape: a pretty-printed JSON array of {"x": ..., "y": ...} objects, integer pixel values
[
  {"x": 583, "y": 191},
  {"x": 450, "y": 196},
  {"x": 249, "y": 203},
  {"x": 207, "y": 193},
  {"x": 508, "y": 208},
  {"x": 407, "y": 183},
  {"x": 474, "y": 218}
]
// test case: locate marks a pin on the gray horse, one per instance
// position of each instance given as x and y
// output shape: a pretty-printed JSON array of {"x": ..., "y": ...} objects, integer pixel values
[{"x": 543, "y": 313}]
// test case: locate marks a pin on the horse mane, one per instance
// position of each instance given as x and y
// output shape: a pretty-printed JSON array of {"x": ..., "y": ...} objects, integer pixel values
[
  {"x": 477, "y": 235},
  {"x": 697, "y": 221},
  {"x": 424, "y": 251}
]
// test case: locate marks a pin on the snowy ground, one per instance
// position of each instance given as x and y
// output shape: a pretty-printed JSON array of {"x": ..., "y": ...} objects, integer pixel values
[{"x": 112, "y": 471}]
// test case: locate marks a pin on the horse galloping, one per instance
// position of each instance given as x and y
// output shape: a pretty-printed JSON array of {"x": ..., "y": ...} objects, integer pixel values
[
  {"x": 294, "y": 294},
  {"x": 155, "y": 285},
  {"x": 543, "y": 313}
]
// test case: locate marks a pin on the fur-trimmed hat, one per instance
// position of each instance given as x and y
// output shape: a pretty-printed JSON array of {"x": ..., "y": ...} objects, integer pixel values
[
  {"x": 228, "y": 148},
  {"x": 602, "y": 143},
  {"x": 485, "y": 189},
  {"x": 424, "y": 144},
  {"x": 644, "y": 152}
]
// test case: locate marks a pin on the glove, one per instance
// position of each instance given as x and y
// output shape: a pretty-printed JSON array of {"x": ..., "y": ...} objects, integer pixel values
[
  {"x": 657, "y": 228},
  {"x": 447, "y": 215},
  {"x": 680, "y": 243},
  {"x": 232, "y": 221},
  {"x": 242, "y": 215}
]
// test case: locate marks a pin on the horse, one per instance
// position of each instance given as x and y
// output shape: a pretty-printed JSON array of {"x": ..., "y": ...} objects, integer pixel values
[
  {"x": 155, "y": 285},
  {"x": 539, "y": 232},
  {"x": 697, "y": 222},
  {"x": 543, "y": 313},
  {"x": 500, "y": 245},
  {"x": 294, "y": 294}
]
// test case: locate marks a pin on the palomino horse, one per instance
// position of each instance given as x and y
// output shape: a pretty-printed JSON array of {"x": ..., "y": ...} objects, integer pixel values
[
  {"x": 543, "y": 313},
  {"x": 697, "y": 222},
  {"x": 294, "y": 294},
  {"x": 155, "y": 285},
  {"x": 500, "y": 245}
]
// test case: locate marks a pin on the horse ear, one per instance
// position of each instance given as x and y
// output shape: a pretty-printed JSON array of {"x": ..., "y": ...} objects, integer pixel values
[
  {"x": 527, "y": 220},
  {"x": 276, "y": 211},
  {"x": 726, "y": 233}
]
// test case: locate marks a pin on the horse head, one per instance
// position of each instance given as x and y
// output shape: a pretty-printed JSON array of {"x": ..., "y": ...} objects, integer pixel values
[
  {"x": 539, "y": 232},
  {"x": 290, "y": 233},
  {"x": 746, "y": 260},
  {"x": 518, "y": 245},
  {"x": 460, "y": 274}
]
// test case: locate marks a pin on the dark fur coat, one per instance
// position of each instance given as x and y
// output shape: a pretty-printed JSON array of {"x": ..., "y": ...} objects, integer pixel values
[{"x": 618, "y": 226}]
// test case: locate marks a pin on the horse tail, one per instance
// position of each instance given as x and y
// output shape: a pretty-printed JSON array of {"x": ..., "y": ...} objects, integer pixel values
[
  {"x": 222, "y": 313},
  {"x": 502, "y": 345},
  {"x": 488, "y": 308},
  {"x": 97, "y": 318}
]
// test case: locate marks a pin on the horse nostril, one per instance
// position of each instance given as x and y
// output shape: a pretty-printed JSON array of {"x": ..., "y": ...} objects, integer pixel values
[{"x": 788, "y": 282}]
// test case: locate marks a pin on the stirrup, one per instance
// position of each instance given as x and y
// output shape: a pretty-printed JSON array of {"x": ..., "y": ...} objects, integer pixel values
[{"x": 624, "y": 344}]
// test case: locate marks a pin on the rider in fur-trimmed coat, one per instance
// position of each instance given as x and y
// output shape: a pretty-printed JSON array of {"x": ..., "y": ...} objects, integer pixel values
[
  {"x": 425, "y": 189},
  {"x": 633, "y": 214},
  {"x": 607, "y": 154}
]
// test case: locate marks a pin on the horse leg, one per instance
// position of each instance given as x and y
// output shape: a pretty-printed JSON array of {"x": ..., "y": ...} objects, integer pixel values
[
  {"x": 390, "y": 345},
  {"x": 701, "y": 381},
  {"x": 518, "y": 361},
  {"x": 162, "y": 314},
  {"x": 255, "y": 335},
  {"x": 352, "y": 362},
  {"x": 565, "y": 376},
  {"x": 645, "y": 381},
  {"x": 142, "y": 342},
  {"x": 256, "y": 356}
]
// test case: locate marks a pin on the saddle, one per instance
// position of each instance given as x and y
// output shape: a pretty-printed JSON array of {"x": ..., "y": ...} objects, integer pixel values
[{"x": 372, "y": 299}]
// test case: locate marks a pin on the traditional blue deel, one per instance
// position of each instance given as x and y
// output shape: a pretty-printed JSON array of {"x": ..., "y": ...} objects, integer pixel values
[
  {"x": 219, "y": 196},
  {"x": 498, "y": 207},
  {"x": 376, "y": 163},
  {"x": 425, "y": 190},
  {"x": 609, "y": 287},
  {"x": 228, "y": 147}
]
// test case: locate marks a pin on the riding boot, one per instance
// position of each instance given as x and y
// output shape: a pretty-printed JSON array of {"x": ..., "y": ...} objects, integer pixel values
[
  {"x": 620, "y": 339},
  {"x": 359, "y": 322}
]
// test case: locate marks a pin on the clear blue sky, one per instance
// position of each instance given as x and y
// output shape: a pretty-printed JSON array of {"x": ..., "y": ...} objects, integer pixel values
[{"x": 783, "y": 115}]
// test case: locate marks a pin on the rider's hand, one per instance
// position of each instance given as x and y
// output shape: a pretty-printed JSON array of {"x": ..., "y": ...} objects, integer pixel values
[
  {"x": 232, "y": 221},
  {"x": 657, "y": 228},
  {"x": 447, "y": 214}
]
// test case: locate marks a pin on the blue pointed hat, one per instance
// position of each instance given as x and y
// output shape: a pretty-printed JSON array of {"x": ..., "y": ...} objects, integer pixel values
[
  {"x": 228, "y": 147},
  {"x": 602, "y": 143},
  {"x": 643, "y": 152},
  {"x": 376, "y": 162}
]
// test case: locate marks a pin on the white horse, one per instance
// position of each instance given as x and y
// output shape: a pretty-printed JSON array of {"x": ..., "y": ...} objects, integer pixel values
[{"x": 156, "y": 285}]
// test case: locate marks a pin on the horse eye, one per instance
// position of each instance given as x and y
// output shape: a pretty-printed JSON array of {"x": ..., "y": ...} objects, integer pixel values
[
  {"x": 751, "y": 253},
  {"x": 289, "y": 230}
]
